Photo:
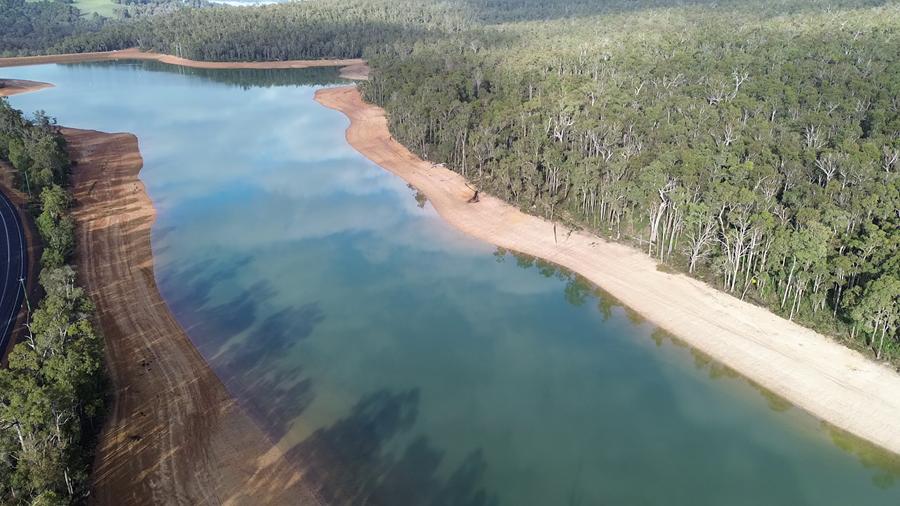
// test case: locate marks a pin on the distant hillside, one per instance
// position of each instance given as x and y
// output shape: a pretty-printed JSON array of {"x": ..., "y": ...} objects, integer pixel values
[{"x": 29, "y": 28}]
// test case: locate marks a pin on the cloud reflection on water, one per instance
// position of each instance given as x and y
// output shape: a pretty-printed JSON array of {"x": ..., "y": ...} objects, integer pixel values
[{"x": 334, "y": 308}]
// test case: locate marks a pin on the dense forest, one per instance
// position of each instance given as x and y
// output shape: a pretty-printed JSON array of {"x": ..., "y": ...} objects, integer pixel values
[
  {"x": 755, "y": 145},
  {"x": 29, "y": 28},
  {"x": 759, "y": 152},
  {"x": 286, "y": 31},
  {"x": 52, "y": 393}
]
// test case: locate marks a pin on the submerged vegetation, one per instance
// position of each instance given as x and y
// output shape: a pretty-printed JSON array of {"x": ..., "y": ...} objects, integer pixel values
[{"x": 52, "y": 394}]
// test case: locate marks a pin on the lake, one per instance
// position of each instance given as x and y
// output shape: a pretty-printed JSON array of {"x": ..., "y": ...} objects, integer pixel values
[{"x": 397, "y": 361}]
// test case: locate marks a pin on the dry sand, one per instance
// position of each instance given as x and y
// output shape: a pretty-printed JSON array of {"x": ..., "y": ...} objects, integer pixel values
[
  {"x": 135, "y": 54},
  {"x": 174, "y": 435},
  {"x": 836, "y": 384},
  {"x": 9, "y": 87},
  {"x": 357, "y": 71}
]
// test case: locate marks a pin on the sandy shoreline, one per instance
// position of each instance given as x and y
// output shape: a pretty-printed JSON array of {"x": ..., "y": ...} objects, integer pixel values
[
  {"x": 197, "y": 446},
  {"x": 834, "y": 383},
  {"x": 135, "y": 54},
  {"x": 9, "y": 87},
  {"x": 174, "y": 435}
]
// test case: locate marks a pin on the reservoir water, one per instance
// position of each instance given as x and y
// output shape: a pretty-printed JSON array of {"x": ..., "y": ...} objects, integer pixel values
[{"x": 399, "y": 362}]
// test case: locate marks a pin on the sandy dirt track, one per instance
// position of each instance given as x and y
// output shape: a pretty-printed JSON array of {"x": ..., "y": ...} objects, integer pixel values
[
  {"x": 174, "y": 435},
  {"x": 135, "y": 54},
  {"x": 836, "y": 384},
  {"x": 9, "y": 87}
]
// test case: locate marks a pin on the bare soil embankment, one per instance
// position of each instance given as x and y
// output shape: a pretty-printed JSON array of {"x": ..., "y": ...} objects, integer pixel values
[
  {"x": 9, "y": 87},
  {"x": 836, "y": 384},
  {"x": 135, "y": 54},
  {"x": 357, "y": 71},
  {"x": 174, "y": 435}
]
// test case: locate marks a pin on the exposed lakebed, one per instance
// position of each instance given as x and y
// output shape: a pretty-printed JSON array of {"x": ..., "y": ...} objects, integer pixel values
[{"x": 399, "y": 361}]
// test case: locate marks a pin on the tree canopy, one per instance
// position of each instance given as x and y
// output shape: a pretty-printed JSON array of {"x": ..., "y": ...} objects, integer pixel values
[
  {"x": 52, "y": 393},
  {"x": 755, "y": 145}
]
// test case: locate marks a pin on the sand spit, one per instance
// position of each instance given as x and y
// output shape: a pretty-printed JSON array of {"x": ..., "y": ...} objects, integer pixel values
[
  {"x": 136, "y": 54},
  {"x": 836, "y": 384},
  {"x": 9, "y": 87},
  {"x": 174, "y": 435}
]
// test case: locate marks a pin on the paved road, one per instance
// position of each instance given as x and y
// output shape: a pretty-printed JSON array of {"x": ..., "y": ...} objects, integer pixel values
[{"x": 13, "y": 267}]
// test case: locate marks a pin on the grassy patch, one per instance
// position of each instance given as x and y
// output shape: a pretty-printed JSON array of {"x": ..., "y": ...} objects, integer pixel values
[
  {"x": 89, "y": 7},
  {"x": 101, "y": 7},
  {"x": 668, "y": 269}
]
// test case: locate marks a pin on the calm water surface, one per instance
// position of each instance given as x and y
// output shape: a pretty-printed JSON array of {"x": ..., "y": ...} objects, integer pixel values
[{"x": 399, "y": 362}]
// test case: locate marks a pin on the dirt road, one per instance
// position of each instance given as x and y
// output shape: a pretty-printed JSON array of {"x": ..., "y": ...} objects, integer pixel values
[
  {"x": 825, "y": 378},
  {"x": 174, "y": 434}
]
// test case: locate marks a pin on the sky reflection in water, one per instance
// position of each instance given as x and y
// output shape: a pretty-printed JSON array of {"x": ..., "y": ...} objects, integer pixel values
[{"x": 401, "y": 362}]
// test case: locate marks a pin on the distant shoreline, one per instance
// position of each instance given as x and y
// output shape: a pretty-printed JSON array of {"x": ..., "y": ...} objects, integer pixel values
[
  {"x": 832, "y": 382},
  {"x": 357, "y": 67}
]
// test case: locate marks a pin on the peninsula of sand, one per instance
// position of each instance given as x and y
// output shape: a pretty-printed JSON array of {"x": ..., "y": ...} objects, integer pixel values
[
  {"x": 10, "y": 87},
  {"x": 834, "y": 383}
]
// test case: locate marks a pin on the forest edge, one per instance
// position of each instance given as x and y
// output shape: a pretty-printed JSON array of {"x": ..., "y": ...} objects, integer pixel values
[
  {"x": 793, "y": 362},
  {"x": 173, "y": 430},
  {"x": 834, "y": 383}
]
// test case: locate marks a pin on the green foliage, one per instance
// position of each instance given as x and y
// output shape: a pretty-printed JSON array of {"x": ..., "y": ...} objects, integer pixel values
[
  {"x": 34, "y": 148},
  {"x": 285, "y": 31},
  {"x": 31, "y": 27},
  {"x": 52, "y": 393},
  {"x": 49, "y": 394},
  {"x": 759, "y": 151},
  {"x": 57, "y": 229},
  {"x": 879, "y": 310}
]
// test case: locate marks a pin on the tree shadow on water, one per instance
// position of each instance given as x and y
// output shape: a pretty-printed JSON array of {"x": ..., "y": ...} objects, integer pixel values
[
  {"x": 347, "y": 464},
  {"x": 272, "y": 391},
  {"x": 273, "y": 394},
  {"x": 193, "y": 284}
]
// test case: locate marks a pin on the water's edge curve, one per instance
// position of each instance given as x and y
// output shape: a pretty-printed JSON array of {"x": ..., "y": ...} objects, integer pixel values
[{"x": 832, "y": 382}]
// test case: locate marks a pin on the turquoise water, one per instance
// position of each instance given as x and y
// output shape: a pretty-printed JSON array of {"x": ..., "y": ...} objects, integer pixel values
[{"x": 399, "y": 362}]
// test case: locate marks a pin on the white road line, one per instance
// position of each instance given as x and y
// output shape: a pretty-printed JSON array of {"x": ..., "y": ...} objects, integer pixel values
[
  {"x": 8, "y": 262},
  {"x": 11, "y": 318}
]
